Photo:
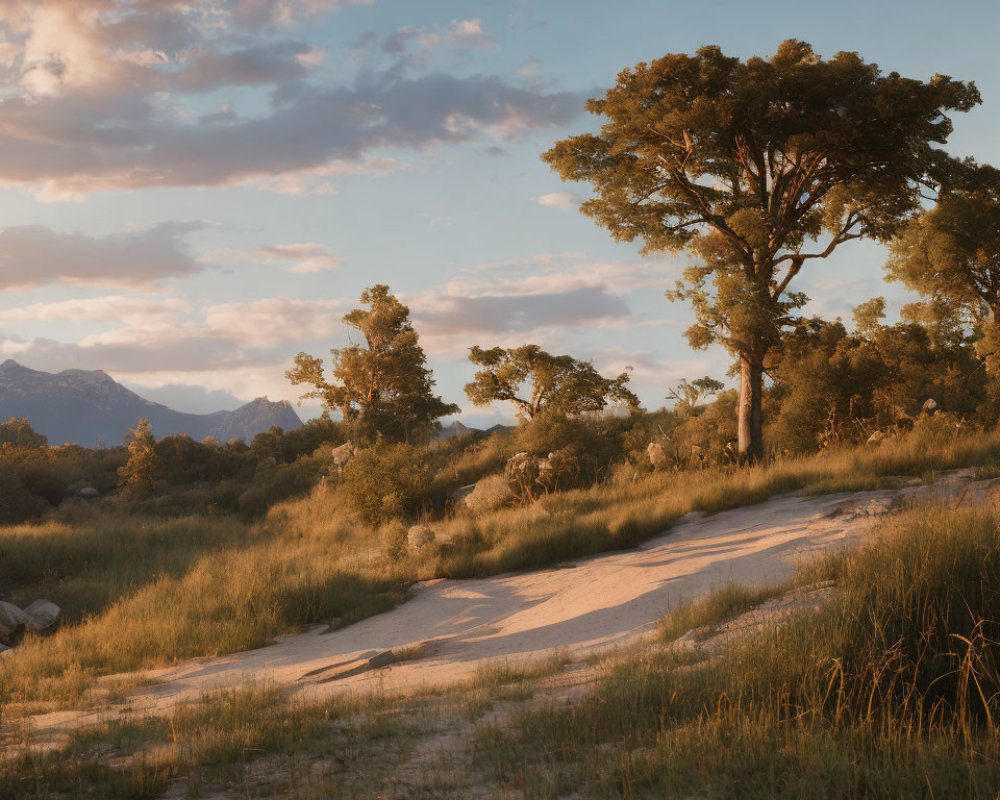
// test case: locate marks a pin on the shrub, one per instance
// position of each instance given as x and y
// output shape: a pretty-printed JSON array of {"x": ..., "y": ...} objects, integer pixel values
[
  {"x": 385, "y": 482},
  {"x": 272, "y": 487},
  {"x": 491, "y": 493}
]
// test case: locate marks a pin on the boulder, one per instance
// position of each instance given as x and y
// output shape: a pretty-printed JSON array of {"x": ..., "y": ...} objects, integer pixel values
[
  {"x": 929, "y": 407},
  {"x": 656, "y": 455},
  {"x": 341, "y": 455},
  {"x": 876, "y": 438},
  {"x": 14, "y": 621},
  {"x": 88, "y": 493},
  {"x": 463, "y": 492},
  {"x": 419, "y": 535}
]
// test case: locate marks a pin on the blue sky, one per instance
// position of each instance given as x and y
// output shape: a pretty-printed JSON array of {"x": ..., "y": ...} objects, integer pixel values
[{"x": 192, "y": 192}]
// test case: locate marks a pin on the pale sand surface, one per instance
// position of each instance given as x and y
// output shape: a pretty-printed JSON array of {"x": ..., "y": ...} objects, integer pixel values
[{"x": 595, "y": 604}]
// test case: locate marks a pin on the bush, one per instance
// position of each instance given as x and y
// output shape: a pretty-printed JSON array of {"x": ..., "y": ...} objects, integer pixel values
[
  {"x": 491, "y": 493},
  {"x": 385, "y": 482},
  {"x": 272, "y": 487}
]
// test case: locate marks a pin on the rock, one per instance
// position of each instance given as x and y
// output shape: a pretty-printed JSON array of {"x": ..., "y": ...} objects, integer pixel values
[
  {"x": 876, "y": 438},
  {"x": 341, "y": 455},
  {"x": 929, "y": 407},
  {"x": 5, "y": 649},
  {"x": 44, "y": 613},
  {"x": 14, "y": 621},
  {"x": 419, "y": 535},
  {"x": 462, "y": 492},
  {"x": 656, "y": 455},
  {"x": 88, "y": 493},
  {"x": 382, "y": 659}
]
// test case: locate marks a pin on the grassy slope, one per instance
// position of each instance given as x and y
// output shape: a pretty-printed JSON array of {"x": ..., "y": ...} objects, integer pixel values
[
  {"x": 890, "y": 692},
  {"x": 141, "y": 593}
]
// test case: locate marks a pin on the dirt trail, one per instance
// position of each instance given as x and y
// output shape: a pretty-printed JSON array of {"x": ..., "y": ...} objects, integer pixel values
[{"x": 596, "y": 604}]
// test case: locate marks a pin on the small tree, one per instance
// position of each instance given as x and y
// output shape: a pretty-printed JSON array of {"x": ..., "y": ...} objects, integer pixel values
[
  {"x": 561, "y": 384},
  {"x": 746, "y": 165},
  {"x": 951, "y": 255},
  {"x": 137, "y": 473},
  {"x": 380, "y": 387},
  {"x": 688, "y": 394}
]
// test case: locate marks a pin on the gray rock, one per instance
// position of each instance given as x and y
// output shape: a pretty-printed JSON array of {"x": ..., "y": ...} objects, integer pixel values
[
  {"x": 382, "y": 659},
  {"x": 88, "y": 493},
  {"x": 656, "y": 455},
  {"x": 929, "y": 407},
  {"x": 462, "y": 492}
]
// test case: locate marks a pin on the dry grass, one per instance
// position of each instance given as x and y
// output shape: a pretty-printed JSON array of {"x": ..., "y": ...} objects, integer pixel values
[{"x": 140, "y": 593}]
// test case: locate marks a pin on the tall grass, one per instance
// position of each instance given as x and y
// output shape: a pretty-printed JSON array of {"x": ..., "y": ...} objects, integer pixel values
[
  {"x": 140, "y": 592},
  {"x": 893, "y": 690}
]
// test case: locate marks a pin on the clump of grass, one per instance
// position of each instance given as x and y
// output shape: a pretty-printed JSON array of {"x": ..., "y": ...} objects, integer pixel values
[
  {"x": 714, "y": 608},
  {"x": 892, "y": 690}
]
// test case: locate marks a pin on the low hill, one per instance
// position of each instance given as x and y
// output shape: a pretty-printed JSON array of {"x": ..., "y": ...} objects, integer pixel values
[{"x": 90, "y": 408}]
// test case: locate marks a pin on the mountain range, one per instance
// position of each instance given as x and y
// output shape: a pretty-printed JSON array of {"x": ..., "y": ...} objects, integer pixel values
[{"x": 89, "y": 408}]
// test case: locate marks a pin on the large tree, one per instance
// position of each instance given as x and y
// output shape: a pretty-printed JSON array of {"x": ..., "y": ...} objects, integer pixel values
[
  {"x": 381, "y": 386},
  {"x": 536, "y": 381},
  {"x": 950, "y": 253},
  {"x": 756, "y": 168}
]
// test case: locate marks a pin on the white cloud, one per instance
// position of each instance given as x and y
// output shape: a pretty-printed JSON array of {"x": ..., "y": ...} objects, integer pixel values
[{"x": 559, "y": 200}]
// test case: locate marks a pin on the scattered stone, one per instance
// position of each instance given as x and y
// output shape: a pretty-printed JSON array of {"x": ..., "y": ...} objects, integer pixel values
[
  {"x": 88, "y": 493},
  {"x": 383, "y": 659},
  {"x": 419, "y": 535},
  {"x": 656, "y": 455},
  {"x": 14, "y": 621}
]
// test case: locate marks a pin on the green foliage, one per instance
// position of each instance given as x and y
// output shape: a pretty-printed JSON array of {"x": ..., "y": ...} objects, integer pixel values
[
  {"x": 746, "y": 165},
  {"x": 385, "y": 481},
  {"x": 832, "y": 387},
  {"x": 383, "y": 387},
  {"x": 558, "y": 384}
]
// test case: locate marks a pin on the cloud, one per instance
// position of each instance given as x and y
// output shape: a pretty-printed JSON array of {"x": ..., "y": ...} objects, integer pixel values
[
  {"x": 98, "y": 97},
  {"x": 559, "y": 200},
  {"x": 275, "y": 320},
  {"x": 170, "y": 336},
  {"x": 538, "y": 298},
  {"x": 111, "y": 308},
  {"x": 308, "y": 257},
  {"x": 33, "y": 255}
]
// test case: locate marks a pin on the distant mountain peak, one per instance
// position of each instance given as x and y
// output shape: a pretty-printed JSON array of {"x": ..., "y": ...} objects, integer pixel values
[{"x": 89, "y": 407}]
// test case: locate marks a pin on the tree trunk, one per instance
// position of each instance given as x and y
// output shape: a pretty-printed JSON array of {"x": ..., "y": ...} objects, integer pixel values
[{"x": 751, "y": 436}]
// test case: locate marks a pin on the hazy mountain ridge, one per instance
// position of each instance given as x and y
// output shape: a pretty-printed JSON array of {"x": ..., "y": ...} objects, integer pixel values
[{"x": 90, "y": 407}]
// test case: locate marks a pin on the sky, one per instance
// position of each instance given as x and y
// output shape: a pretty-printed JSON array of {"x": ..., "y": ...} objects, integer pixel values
[{"x": 193, "y": 191}]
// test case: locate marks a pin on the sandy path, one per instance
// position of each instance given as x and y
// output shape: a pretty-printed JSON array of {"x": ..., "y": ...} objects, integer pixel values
[{"x": 598, "y": 603}]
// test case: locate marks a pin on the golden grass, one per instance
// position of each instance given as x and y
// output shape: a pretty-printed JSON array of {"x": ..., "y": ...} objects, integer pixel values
[{"x": 140, "y": 593}]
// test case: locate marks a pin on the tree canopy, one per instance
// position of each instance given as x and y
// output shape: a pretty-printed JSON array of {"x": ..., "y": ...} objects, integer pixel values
[
  {"x": 756, "y": 168},
  {"x": 381, "y": 386},
  {"x": 950, "y": 253},
  {"x": 560, "y": 384}
]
